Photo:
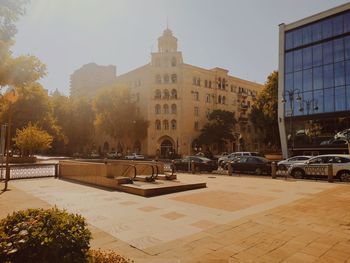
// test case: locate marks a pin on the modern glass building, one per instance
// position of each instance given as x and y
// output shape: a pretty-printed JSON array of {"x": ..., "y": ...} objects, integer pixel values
[{"x": 314, "y": 83}]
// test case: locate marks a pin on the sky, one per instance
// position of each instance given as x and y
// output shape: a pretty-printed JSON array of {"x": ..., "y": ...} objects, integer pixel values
[{"x": 238, "y": 35}]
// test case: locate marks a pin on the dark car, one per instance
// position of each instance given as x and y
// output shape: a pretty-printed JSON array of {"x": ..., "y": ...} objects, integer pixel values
[
  {"x": 251, "y": 164},
  {"x": 201, "y": 164}
]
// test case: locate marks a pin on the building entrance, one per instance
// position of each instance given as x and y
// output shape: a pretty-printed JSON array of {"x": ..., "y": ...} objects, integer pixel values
[{"x": 166, "y": 149}]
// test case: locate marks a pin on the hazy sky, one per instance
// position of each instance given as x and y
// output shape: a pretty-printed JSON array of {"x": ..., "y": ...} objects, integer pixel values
[{"x": 238, "y": 35}]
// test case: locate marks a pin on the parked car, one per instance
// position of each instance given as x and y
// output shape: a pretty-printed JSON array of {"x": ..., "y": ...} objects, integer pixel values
[
  {"x": 284, "y": 165},
  {"x": 112, "y": 155},
  {"x": 344, "y": 134},
  {"x": 201, "y": 164},
  {"x": 251, "y": 164},
  {"x": 335, "y": 142},
  {"x": 223, "y": 160},
  {"x": 94, "y": 155},
  {"x": 134, "y": 156},
  {"x": 340, "y": 165}
]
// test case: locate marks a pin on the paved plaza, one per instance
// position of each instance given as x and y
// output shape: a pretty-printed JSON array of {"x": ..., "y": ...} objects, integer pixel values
[{"x": 234, "y": 219}]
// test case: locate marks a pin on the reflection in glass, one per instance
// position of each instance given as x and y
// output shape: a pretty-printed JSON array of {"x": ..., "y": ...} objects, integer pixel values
[
  {"x": 317, "y": 55},
  {"x": 347, "y": 71},
  {"x": 347, "y": 47},
  {"x": 340, "y": 101},
  {"x": 306, "y": 35},
  {"x": 318, "y": 96},
  {"x": 307, "y": 80},
  {"x": 338, "y": 25},
  {"x": 347, "y": 22},
  {"x": 297, "y": 60},
  {"x": 289, "y": 40},
  {"x": 289, "y": 81},
  {"x": 297, "y": 38},
  {"x": 328, "y": 76},
  {"x": 317, "y": 78},
  {"x": 348, "y": 97},
  {"x": 326, "y": 28},
  {"x": 329, "y": 100},
  {"x": 307, "y": 58},
  {"x": 327, "y": 52},
  {"x": 289, "y": 62},
  {"x": 298, "y": 78},
  {"x": 339, "y": 76},
  {"x": 338, "y": 50},
  {"x": 316, "y": 32}
]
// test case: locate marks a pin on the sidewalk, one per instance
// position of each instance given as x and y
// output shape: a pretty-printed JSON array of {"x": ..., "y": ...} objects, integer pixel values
[{"x": 233, "y": 220}]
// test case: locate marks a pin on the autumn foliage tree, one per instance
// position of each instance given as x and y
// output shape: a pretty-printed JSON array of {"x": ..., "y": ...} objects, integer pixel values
[
  {"x": 264, "y": 111},
  {"x": 31, "y": 139}
]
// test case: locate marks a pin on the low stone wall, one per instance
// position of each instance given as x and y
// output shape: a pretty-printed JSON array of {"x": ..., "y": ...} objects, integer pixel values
[{"x": 24, "y": 159}]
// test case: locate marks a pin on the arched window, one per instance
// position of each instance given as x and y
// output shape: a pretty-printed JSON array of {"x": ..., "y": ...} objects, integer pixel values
[
  {"x": 157, "y": 94},
  {"x": 223, "y": 84},
  {"x": 173, "y": 124},
  {"x": 158, "y": 127},
  {"x": 198, "y": 82},
  {"x": 205, "y": 83},
  {"x": 157, "y": 109},
  {"x": 223, "y": 100},
  {"x": 219, "y": 83},
  {"x": 173, "y": 78},
  {"x": 158, "y": 79},
  {"x": 194, "y": 81},
  {"x": 166, "y": 78},
  {"x": 173, "y": 109},
  {"x": 219, "y": 99},
  {"x": 173, "y": 94},
  {"x": 165, "y": 109},
  {"x": 165, "y": 125},
  {"x": 173, "y": 62},
  {"x": 166, "y": 94},
  {"x": 209, "y": 83}
]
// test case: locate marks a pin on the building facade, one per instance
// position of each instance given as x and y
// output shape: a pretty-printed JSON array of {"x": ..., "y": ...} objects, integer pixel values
[
  {"x": 314, "y": 83},
  {"x": 90, "y": 78},
  {"x": 176, "y": 99}
]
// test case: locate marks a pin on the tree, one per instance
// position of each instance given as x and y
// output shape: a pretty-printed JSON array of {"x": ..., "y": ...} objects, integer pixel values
[
  {"x": 264, "y": 111},
  {"x": 219, "y": 129},
  {"x": 117, "y": 116},
  {"x": 31, "y": 139}
]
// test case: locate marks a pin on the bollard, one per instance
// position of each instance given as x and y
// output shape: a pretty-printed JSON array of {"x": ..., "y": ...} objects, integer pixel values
[
  {"x": 193, "y": 168},
  {"x": 229, "y": 168},
  {"x": 330, "y": 173},
  {"x": 273, "y": 170}
]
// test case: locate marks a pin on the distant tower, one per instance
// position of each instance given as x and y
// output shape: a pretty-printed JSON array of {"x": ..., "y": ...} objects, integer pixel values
[{"x": 167, "y": 42}]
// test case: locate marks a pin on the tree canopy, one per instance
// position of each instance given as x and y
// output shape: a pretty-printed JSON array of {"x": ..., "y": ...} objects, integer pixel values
[
  {"x": 220, "y": 128},
  {"x": 264, "y": 110}
]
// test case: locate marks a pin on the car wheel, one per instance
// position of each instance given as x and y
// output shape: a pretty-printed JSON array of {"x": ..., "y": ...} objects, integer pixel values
[
  {"x": 258, "y": 171},
  {"x": 344, "y": 176},
  {"x": 298, "y": 174}
]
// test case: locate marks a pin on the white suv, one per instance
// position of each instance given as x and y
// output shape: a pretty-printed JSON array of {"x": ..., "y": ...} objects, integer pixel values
[{"x": 340, "y": 165}]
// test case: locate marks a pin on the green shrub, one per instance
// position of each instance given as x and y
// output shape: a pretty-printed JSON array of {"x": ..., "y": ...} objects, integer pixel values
[
  {"x": 99, "y": 256},
  {"x": 38, "y": 235}
]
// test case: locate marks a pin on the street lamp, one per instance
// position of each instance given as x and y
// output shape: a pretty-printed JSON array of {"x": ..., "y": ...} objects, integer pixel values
[
  {"x": 11, "y": 96},
  {"x": 308, "y": 103},
  {"x": 291, "y": 95}
]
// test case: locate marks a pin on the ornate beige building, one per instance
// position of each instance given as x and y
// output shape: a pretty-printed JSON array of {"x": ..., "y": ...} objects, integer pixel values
[{"x": 176, "y": 98}]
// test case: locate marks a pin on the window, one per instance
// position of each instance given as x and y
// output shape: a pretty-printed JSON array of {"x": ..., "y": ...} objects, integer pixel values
[
  {"x": 289, "y": 62},
  {"x": 198, "y": 82},
  {"x": 317, "y": 78},
  {"x": 307, "y": 80},
  {"x": 219, "y": 99},
  {"x": 205, "y": 83},
  {"x": 327, "y": 28},
  {"x": 327, "y": 52},
  {"x": 157, "y": 109},
  {"x": 173, "y": 62},
  {"x": 338, "y": 27},
  {"x": 329, "y": 102},
  {"x": 339, "y": 95},
  {"x": 316, "y": 32},
  {"x": 157, "y": 94},
  {"x": 298, "y": 58},
  {"x": 328, "y": 76},
  {"x": 195, "y": 95},
  {"x": 158, "y": 79},
  {"x": 209, "y": 83},
  {"x": 307, "y": 37},
  {"x": 194, "y": 81},
  {"x": 196, "y": 125},
  {"x": 165, "y": 125},
  {"x": 289, "y": 40},
  {"x": 317, "y": 55},
  {"x": 166, "y": 78},
  {"x": 157, "y": 124},
  {"x": 298, "y": 77},
  {"x": 173, "y": 94},
  {"x": 173, "y": 124},
  {"x": 307, "y": 58},
  {"x": 207, "y": 98},
  {"x": 166, "y": 94},
  {"x": 297, "y": 38},
  {"x": 339, "y": 73},
  {"x": 223, "y": 100},
  {"x": 165, "y": 109},
  {"x": 173, "y": 78},
  {"x": 196, "y": 111},
  {"x": 173, "y": 109},
  {"x": 338, "y": 50},
  {"x": 347, "y": 22}
]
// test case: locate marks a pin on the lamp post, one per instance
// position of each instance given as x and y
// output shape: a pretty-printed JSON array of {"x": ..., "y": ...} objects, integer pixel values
[
  {"x": 308, "y": 103},
  {"x": 291, "y": 95},
  {"x": 11, "y": 96}
]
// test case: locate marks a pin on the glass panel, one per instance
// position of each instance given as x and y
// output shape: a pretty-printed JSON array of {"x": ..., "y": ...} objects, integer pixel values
[
  {"x": 326, "y": 28},
  {"x": 348, "y": 97},
  {"x": 298, "y": 78},
  {"x": 289, "y": 62},
  {"x": 307, "y": 58},
  {"x": 307, "y": 80},
  {"x": 289, "y": 40},
  {"x": 297, "y": 38},
  {"x": 328, "y": 76},
  {"x": 317, "y": 78},
  {"x": 347, "y": 22},
  {"x": 329, "y": 100},
  {"x": 289, "y": 82},
  {"x": 340, "y": 99},
  {"x": 306, "y": 35},
  {"x": 338, "y": 25},
  {"x": 318, "y": 97},
  {"x": 338, "y": 50},
  {"x": 347, "y": 71},
  {"x": 327, "y": 52},
  {"x": 347, "y": 47},
  {"x": 297, "y": 60},
  {"x": 287, "y": 107},
  {"x": 339, "y": 74},
  {"x": 317, "y": 55},
  {"x": 306, "y": 103},
  {"x": 316, "y": 32}
]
